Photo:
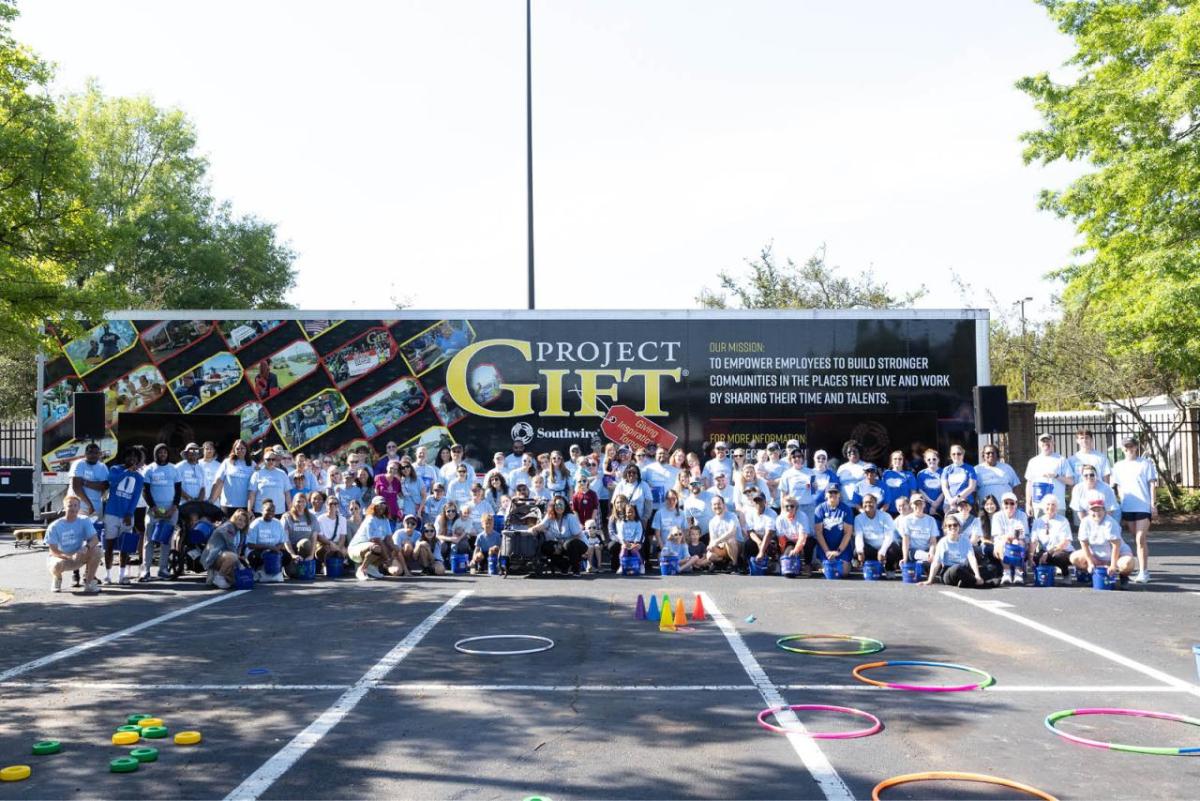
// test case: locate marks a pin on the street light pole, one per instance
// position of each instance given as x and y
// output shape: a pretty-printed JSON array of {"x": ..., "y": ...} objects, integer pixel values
[
  {"x": 529, "y": 138},
  {"x": 1024, "y": 351}
]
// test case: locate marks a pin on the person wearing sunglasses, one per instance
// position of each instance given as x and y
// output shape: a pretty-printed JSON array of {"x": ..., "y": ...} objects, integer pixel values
[
  {"x": 954, "y": 562},
  {"x": 1090, "y": 483},
  {"x": 453, "y": 532},
  {"x": 1010, "y": 527},
  {"x": 796, "y": 484},
  {"x": 561, "y": 537},
  {"x": 834, "y": 526},
  {"x": 918, "y": 531},
  {"x": 269, "y": 481},
  {"x": 795, "y": 534}
]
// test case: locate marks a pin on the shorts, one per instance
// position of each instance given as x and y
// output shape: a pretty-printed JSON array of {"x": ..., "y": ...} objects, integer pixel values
[
  {"x": 114, "y": 526},
  {"x": 1134, "y": 516},
  {"x": 359, "y": 552}
]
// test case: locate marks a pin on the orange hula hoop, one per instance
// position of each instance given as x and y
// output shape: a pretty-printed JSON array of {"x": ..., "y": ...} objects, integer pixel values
[
  {"x": 945, "y": 775},
  {"x": 862, "y": 678}
]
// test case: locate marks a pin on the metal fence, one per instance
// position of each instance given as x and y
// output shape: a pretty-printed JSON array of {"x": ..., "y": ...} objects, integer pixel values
[
  {"x": 1171, "y": 438},
  {"x": 18, "y": 442}
]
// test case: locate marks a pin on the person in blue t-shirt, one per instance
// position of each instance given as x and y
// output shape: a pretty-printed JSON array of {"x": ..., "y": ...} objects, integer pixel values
[
  {"x": 89, "y": 481},
  {"x": 833, "y": 526},
  {"x": 897, "y": 482},
  {"x": 125, "y": 483},
  {"x": 929, "y": 483},
  {"x": 72, "y": 543},
  {"x": 959, "y": 481},
  {"x": 162, "y": 491}
]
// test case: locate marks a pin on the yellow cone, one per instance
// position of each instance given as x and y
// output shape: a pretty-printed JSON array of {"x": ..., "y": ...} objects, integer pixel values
[{"x": 666, "y": 621}]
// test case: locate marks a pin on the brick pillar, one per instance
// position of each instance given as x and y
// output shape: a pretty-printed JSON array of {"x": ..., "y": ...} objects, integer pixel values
[{"x": 1022, "y": 439}]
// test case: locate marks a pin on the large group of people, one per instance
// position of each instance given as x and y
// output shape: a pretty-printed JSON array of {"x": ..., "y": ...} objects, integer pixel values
[{"x": 604, "y": 509}]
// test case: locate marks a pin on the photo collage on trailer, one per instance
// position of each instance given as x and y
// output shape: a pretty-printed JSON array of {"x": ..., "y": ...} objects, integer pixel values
[{"x": 317, "y": 386}]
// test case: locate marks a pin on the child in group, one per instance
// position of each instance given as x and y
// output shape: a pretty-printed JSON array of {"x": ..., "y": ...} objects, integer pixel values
[
  {"x": 595, "y": 543},
  {"x": 487, "y": 544},
  {"x": 697, "y": 549},
  {"x": 629, "y": 534},
  {"x": 675, "y": 546}
]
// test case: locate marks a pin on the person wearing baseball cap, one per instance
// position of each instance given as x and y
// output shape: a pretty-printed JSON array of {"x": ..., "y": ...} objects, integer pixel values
[
  {"x": 1100, "y": 544},
  {"x": 918, "y": 531},
  {"x": 833, "y": 526},
  {"x": 697, "y": 506},
  {"x": 1045, "y": 473},
  {"x": 371, "y": 546},
  {"x": 1010, "y": 527},
  {"x": 870, "y": 485},
  {"x": 720, "y": 461},
  {"x": 1136, "y": 480},
  {"x": 772, "y": 471},
  {"x": 192, "y": 481}
]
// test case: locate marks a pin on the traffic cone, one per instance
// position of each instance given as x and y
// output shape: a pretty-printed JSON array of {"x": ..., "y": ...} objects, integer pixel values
[
  {"x": 639, "y": 611},
  {"x": 666, "y": 621},
  {"x": 652, "y": 610},
  {"x": 680, "y": 615},
  {"x": 698, "y": 610},
  {"x": 666, "y": 604}
]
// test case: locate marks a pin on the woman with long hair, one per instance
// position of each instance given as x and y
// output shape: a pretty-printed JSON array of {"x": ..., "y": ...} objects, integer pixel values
[{"x": 231, "y": 487}]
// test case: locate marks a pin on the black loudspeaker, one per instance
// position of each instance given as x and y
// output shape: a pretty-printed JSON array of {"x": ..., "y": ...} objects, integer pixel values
[
  {"x": 991, "y": 409},
  {"x": 89, "y": 415}
]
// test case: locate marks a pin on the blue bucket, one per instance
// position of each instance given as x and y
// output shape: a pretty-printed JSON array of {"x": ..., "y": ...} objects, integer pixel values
[
  {"x": 498, "y": 523},
  {"x": 832, "y": 568},
  {"x": 789, "y": 566},
  {"x": 1043, "y": 575},
  {"x": 162, "y": 531},
  {"x": 272, "y": 562},
  {"x": 128, "y": 542},
  {"x": 872, "y": 570},
  {"x": 243, "y": 579},
  {"x": 631, "y": 565},
  {"x": 912, "y": 572},
  {"x": 1014, "y": 554},
  {"x": 668, "y": 565},
  {"x": 306, "y": 569},
  {"x": 493, "y": 565},
  {"x": 333, "y": 567},
  {"x": 1101, "y": 580},
  {"x": 758, "y": 567},
  {"x": 460, "y": 563},
  {"x": 1082, "y": 576}
]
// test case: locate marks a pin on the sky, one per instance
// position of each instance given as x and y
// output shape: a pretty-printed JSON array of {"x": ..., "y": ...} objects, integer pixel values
[{"x": 673, "y": 139}]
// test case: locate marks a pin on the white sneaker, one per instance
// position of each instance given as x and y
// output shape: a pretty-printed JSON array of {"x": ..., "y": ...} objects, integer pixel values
[
  {"x": 56, "y": 584},
  {"x": 259, "y": 576},
  {"x": 361, "y": 575},
  {"x": 1006, "y": 578},
  {"x": 92, "y": 587},
  {"x": 1142, "y": 577},
  {"x": 278, "y": 578},
  {"x": 220, "y": 582},
  {"x": 108, "y": 577},
  {"x": 1020, "y": 578},
  {"x": 373, "y": 572}
]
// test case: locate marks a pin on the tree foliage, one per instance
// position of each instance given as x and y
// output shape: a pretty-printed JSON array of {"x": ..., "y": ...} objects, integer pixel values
[
  {"x": 1132, "y": 113},
  {"x": 767, "y": 284}
]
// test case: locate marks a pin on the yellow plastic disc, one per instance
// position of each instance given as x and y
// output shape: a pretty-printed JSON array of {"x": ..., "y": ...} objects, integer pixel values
[
  {"x": 144, "y": 722},
  {"x": 14, "y": 773},
  {"x": 187, "y": 738},
  {"x": 125, "y": 738}
]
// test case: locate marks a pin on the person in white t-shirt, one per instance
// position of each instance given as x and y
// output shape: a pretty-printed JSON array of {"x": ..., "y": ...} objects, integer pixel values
[
  {"x": 795, "y": 534},
  {"x": 761, "y": 527},
  {"x": 797, "y": 483},
  {"x": 772, "y": 471},
  {"x": 1048, "y": 472},
  {"x": 1136, "y": 480},
  {"x": 719, "y": 463},
  {"x": 1086, "y": 454},
  {"x": 724, "y": 534},
  {"x": 1089, "y": 482},
  {"x": 955, "y": 555},
  {"x": 1010, "y": 527},
  {"x": 1100, "y": 543},
  {"x": 875, "y": 535},
  {"x": 995, "y": 476},
  {"x": 1051, "y": 537}
]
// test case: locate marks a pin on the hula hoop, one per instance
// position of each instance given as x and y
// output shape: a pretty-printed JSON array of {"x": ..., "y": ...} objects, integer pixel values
[
  {"x": 548, "y": 644},
  {"x": 1053, "y": 718},
  {"x": 822, "y": 735},
  {"x": 925, "y": 688},
  {"x": 869, "y": 645},
  {"x": 945, "y": 775}
]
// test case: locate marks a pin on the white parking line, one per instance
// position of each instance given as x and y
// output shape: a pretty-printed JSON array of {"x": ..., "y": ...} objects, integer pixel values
[
  {"x": 261, "y": 780},
  {"x": 1112, "y": 656},
  {"x": 66, "y": 653},
  {"x": 806, "y": 748}
]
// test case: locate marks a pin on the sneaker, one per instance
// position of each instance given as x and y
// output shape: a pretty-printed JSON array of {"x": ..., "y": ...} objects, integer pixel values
[
  {"x": 1142, "y": 577},
  {"x": 279, "y": 578},
  {"x": 259, "y": 577},
  {"x": 164, "y": 574},
  {"x": 56, "y": 584},
  {"x": 220, "y": 582},
  {"x": 92, "y": 587},
  {"x": 108, "y": 579},
  {"x": 373, "y": 572},
  {"x": 144, "y": 578},
  {"x": 890, "y": 575},
  {"x": 361, "y": 575},
  {"x": 1006, "y": 578},
  {"x": 124, "y": 580},
  {"x": 1020, "y": 577}
]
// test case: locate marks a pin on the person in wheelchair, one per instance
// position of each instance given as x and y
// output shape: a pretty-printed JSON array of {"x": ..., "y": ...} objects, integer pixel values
[
  {"x": 560, "y": 537},
  {"x": 519, "y": 545}
]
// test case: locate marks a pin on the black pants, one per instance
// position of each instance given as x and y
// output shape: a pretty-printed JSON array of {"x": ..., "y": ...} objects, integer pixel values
[
  {"x": 770, "y": 547},
  {"x": 1061, "y": 560},
  {"x": 891, "y": 557},
  {"x": 958, "y": 576},
  {"x": 255, "y": 558},
  {"x": 566, "y": 557}
]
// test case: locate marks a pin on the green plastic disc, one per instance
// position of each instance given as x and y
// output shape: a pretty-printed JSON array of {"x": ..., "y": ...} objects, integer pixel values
[
  {"x": 133, "y": 719},
  {"x": 46, "y": 747},
  {"x": 144, "y": 754},
  {"x": 123, "y": 765},
  {"x": 130, "y": 727},
  {"x": 154, "y": 732}
]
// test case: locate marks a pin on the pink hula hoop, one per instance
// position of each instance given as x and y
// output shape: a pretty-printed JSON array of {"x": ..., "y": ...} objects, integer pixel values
[{"x": 821, "y": 735}]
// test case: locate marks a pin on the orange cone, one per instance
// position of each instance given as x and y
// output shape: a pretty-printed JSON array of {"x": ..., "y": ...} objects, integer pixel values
[
  {"x": 698, "y": 610},
  {"x": 680, "y": 615}
]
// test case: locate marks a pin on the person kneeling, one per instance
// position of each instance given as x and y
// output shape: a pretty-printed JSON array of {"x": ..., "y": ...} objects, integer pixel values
[
  {"x": 1101, "y": 545},
  {"x": 629, "y": 535},
  {"x": 267, "y": 536},
  {"x": 676, "y": 547},
  {"x": 73, "y": 546},
  {"x": 370, "y": 548},
  {"x": 954, "y": 554},
  {"x": 224, "y": 552},
  {"x": 487, "y": 544}
]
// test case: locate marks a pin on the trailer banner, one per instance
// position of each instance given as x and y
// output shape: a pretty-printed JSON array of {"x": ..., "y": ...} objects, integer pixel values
[{"x": 548, "y": 379}]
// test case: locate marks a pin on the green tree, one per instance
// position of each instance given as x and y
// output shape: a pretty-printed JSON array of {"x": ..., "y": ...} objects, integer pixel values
[
  {"x": 1131, "y": 113},
  {"x": 767, "y": 284}
]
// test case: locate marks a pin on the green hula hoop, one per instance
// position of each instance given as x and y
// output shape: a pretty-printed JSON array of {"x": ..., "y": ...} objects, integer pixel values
[{"x": 867, "y": 644}]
